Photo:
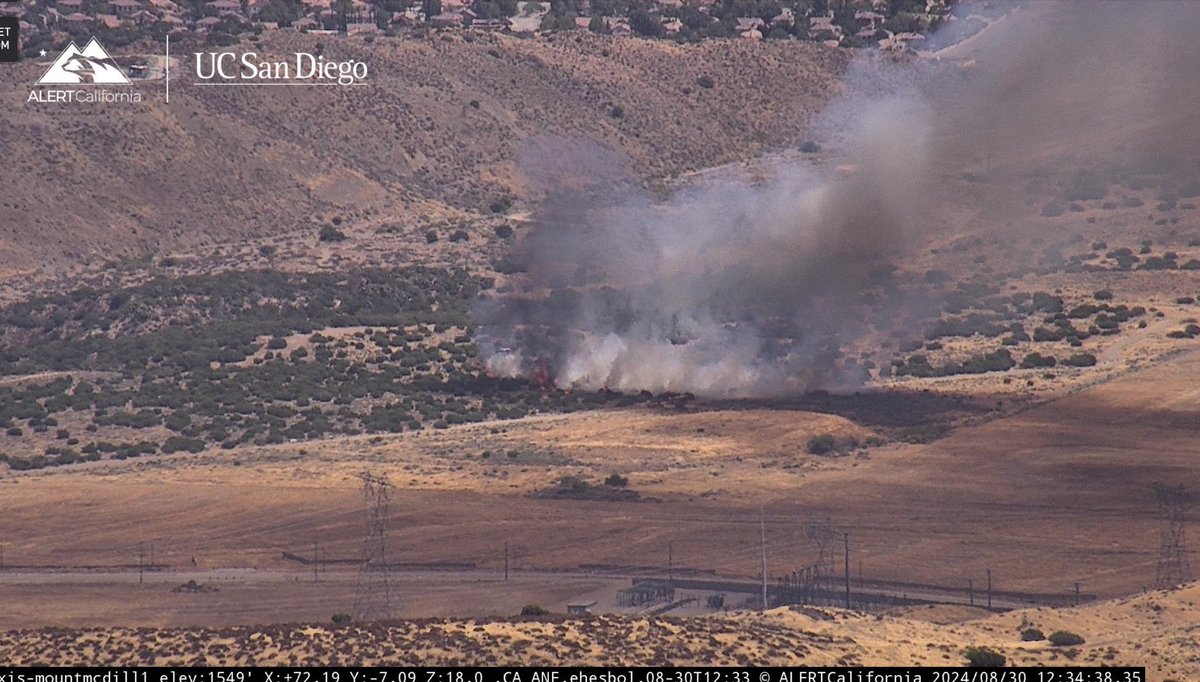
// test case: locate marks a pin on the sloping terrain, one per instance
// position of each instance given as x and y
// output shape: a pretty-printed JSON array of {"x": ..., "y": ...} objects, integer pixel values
[
  {"x": 436, "y": 130},
  {"x": 1153, "y": 630}
]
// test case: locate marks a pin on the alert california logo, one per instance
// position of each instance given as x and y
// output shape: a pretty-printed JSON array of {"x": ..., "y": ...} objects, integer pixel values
[{"x": 84, "y": 69}]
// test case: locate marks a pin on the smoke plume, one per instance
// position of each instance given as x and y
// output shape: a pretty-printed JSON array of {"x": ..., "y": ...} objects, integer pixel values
[{"x": 741, "y": 286}]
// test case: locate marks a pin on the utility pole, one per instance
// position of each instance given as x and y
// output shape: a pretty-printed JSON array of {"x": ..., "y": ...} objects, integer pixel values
[
  {"x": 989, "y": 573},
  {"x": 506, "y": 562},
  {"x": 1077, "y": 594},
  {"x": 151, "y": 556},
  {"x": 141, "y": 557},
  {"x": 670, "y": 562},
  {"x": 971, "y": 591},
  {"x": 316, "y": 557},
  {"x": 846, "y": 541},
  {"x": 762, "y": 532}
]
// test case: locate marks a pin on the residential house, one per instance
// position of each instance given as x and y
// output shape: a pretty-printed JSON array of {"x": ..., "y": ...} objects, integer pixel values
[
  {"x": 618, "y": 26},
  {"x": 823, "y": 28},
  {"x": 143, "y": 18},
  {"x": 226, "y": 6},
  {"x": 125, "y": 7},
  {"x": 748, "y": 23},
  {"x": 489, "y": 24},
  {"x": 447, "y": 20},
  {"x": 110, "y": 21}
]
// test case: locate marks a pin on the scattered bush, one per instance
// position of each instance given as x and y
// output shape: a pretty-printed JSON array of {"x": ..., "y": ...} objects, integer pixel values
[
  {"x": 1032, "y": 635},
  {"x": 1081, "y": 360},
  {"x": 1035, "y": 359},
  {"x": 822, "y": 444},
  {"x": 616, "y": 480},
  {"x": 329, "y": 233},
  {"x": 341, "y": 618},
  {"x": 1065, "y": 638},
  {"x": 1053, "y": 209},
  {"x": 534, "y": 610},
  {"x": 984, "y": 657}
]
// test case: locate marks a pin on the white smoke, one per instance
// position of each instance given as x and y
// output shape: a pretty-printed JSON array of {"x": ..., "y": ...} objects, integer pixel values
[{"x": 744, "y": 287}]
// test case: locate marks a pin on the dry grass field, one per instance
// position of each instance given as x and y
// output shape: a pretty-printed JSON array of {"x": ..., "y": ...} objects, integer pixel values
[
  {"x": 1044, "y": 497},
  {"x": 1156, "y": 630}
]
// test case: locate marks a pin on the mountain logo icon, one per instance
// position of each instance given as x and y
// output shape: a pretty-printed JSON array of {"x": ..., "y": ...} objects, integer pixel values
[{"x": 89, "y": 65}]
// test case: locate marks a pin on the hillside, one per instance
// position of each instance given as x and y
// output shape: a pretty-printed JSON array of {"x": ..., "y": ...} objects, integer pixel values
[
  {"x": 1151, "y": 629},
  {"x": 436, "y": 131}
]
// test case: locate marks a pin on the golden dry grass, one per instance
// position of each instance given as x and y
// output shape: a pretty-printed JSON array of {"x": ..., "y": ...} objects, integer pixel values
[{"x": 1156, "y": 630}]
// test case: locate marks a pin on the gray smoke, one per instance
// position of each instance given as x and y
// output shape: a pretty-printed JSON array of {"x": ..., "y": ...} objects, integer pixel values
[{"x": 738, "y": 286}]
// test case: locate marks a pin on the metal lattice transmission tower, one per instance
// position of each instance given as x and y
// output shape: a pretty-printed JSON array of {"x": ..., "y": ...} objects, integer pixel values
[
  {"x": 822, "y": 535},
  {"x": 374, "y": 599},
  {"x": 1173, "y": 505}
]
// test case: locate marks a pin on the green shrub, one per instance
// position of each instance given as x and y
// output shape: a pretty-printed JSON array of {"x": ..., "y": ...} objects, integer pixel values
[
  {"x": 984, "y": 657},
  {"x": 1081, "y": 360},
  {"x": 616, "y": 481},
  {"x": 534, "y": 610},
  {"x": 1065, "y": 638},
  {"x": 181, "y": 443},
  {"x": 1053, "y": 209},
  {"x": 1032, "y": 635},
  {"x": 1035, "y": 359},
  {"x": 341, "y": 618},
  {"x": 822, "y": 444},
  {"x": 329, "y": 233}
]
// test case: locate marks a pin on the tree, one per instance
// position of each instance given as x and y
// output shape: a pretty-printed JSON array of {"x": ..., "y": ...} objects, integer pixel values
[
  {"x": 597, "y": 25},
  {"x": 645, "y": 24},
  {"x": 342, "y": 9},
  {"x": 431, "y": 8}
]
